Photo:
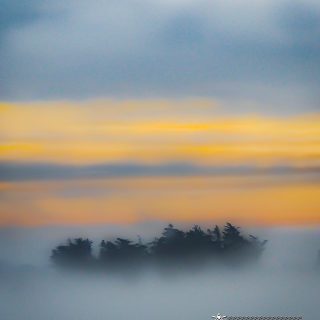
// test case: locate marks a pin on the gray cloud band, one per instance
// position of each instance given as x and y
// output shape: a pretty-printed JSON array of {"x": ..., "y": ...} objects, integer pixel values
[
  {"x": 82, "y": 49},
  {"x": 40, "y": 171}
]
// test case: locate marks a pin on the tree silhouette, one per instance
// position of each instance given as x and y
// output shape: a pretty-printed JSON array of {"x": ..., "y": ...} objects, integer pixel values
[
  {"x": 239, "y": 249},
  {"x": 232, "y": 238},
  {"x": 121, "y": 253},
  {"x": 217, "y": 239},
  {"x": 76, "y": 253},
  {"x": 198, "y": 242},
  {"x": 173, "y": 247}
]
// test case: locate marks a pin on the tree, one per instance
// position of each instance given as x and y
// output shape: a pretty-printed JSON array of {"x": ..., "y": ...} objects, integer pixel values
[
  {"x": 216, "y": 239},
  {"x": 171, "y": 245},
  {"x": 232, "y": 238},
  {"x": 121, "y": 253},
  {"x": 239, "y": 249},
  {"x": 194, "y": 247},
  {"x": 76, "y": 253},
  {"x": 198, "y": 242}
]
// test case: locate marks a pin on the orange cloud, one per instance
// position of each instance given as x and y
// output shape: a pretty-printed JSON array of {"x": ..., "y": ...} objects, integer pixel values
[
  {"x": 152, "y": 132},
  {"x": 155, "y": 132},
  {"x": 256, "y": 200}
]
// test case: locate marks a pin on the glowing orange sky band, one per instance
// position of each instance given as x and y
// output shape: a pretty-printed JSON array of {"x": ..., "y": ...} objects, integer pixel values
[{"x": 153, "y": 132}]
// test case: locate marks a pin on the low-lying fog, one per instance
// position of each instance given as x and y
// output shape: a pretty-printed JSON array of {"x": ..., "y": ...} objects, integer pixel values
[{"x": 286, "y": 282}]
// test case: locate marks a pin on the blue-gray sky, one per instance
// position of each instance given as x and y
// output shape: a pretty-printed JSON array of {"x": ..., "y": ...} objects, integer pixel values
[{"x": 258, "y": 55}]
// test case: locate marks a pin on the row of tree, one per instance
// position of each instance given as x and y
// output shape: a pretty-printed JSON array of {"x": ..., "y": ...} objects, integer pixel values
[{"x": 194, "y": 247}]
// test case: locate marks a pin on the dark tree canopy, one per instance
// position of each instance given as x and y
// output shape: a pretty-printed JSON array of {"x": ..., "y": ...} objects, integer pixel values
[
  {"x": 192, "y": 247},
  {"x": 121, "y": 252},
  {"x": 76, "y": 253}
]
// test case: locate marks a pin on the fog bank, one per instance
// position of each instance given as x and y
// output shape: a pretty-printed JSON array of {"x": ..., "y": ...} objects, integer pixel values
[{"x": 285, "y": 282}]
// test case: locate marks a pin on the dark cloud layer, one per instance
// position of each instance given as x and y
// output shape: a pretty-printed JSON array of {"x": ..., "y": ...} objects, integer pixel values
[
  {"x": 40, "y": 171},
  {"x": 248, "y": 51}
]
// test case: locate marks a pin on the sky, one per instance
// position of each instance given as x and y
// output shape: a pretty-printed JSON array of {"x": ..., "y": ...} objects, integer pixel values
[{"x": 176, "y": 111}]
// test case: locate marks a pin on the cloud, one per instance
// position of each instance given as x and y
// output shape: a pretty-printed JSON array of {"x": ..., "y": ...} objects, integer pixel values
[
  {"x": 43, "y": 171},
  {"x": 239, "y": 50},
  {"x": 245, "y": 198},
  {"x": 154, "y": 132}
]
